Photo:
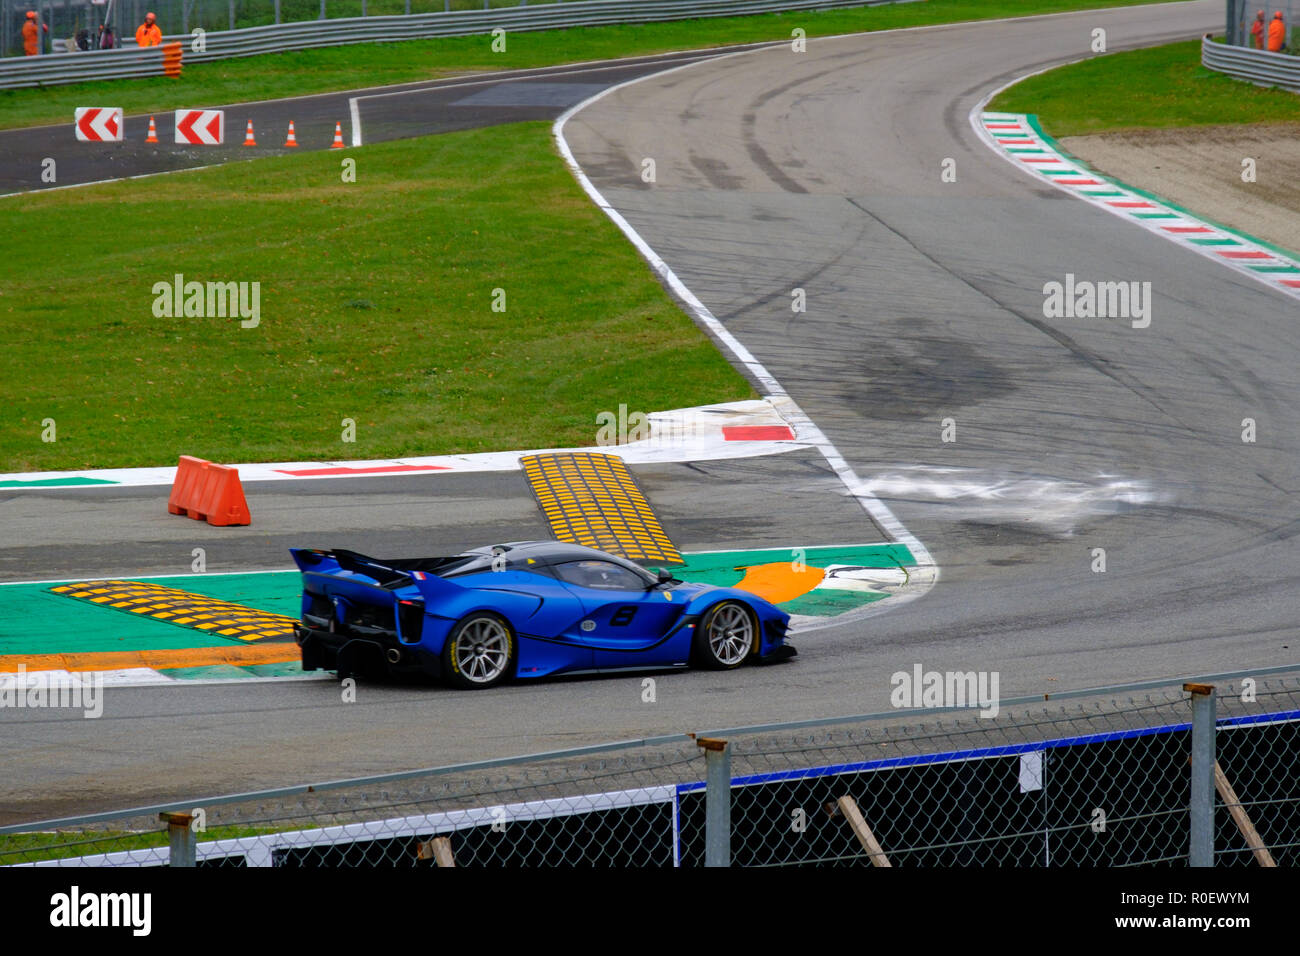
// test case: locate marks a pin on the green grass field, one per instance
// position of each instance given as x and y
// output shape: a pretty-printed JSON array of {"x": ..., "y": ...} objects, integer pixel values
[
  {"x": 1160, "y": 87},
  {"x": 60, "y": 845},
  {"x": 350, "y": 67},
  {"x": 375, "y": 305}
]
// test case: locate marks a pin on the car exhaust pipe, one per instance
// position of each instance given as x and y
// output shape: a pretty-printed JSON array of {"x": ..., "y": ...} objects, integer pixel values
[{"x": 394, "y": 655}]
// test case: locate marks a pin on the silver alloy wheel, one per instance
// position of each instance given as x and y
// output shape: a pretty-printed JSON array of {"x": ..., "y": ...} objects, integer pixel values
[
  {"x": 731, "y": 634},
  {"x": 482, "y": 650}
]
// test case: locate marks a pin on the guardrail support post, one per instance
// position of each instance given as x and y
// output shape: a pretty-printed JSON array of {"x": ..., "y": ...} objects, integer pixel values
[
  {"x": 1201, "y": 850},
  {"x": 181, "y": 839},
  {"x": 717, "y": 802}
]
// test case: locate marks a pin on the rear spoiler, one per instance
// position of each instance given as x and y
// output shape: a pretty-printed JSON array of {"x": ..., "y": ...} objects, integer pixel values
[
  {"x": 327, "y": 562},
  {"x": 389, "y": 574}
]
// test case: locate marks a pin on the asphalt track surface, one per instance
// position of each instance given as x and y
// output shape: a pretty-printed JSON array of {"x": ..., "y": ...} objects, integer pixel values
[
  {"x": 821, "y": 171},
  {"x": 384, "y": 113}
]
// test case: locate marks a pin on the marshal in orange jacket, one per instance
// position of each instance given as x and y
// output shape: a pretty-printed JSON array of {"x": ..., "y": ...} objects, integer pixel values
[
  {"x": 32, "y": 35},
  {"x": 1277, "y": 33},
  {"x": 148, "y": 34}
]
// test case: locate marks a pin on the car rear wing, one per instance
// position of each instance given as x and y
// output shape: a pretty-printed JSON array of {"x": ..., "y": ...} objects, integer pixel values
[
  {"x": 359, "y": 577},
  {"x": 328, "y": 563}
]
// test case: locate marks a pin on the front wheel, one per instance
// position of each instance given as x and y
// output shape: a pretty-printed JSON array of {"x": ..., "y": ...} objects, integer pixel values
[
  {"x": 726, "y": 636},
  {"x": 480, "y": 652}
]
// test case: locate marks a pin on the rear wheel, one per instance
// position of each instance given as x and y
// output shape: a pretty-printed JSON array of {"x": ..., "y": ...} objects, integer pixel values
[
  {"x": 726, "y": 636},
  {"x": 480, "y": 652}
]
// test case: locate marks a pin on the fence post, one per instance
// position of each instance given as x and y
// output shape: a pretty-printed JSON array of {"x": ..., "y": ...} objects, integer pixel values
[
  {"x": 1201, "y": 851},
  {"x": 717, "y": 802},
  {"x": 181, "y": 838}
]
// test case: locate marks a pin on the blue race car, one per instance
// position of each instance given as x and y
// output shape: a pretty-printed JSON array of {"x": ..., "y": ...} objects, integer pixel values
[{"x": 523, "y": 609}]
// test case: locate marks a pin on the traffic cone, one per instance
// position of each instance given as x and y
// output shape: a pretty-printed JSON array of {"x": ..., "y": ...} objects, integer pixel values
[
  {"x": 292, "y": 140},
  {"x": 153, "y": 132},
  {"x": 248, "y": 136},
  {"x": 338, "y": 137}
]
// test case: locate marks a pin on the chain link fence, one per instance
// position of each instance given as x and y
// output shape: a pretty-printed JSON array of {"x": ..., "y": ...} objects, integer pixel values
[
  {"x": 1164, "y": 776},
  {"x": 1095, "y": 783}
]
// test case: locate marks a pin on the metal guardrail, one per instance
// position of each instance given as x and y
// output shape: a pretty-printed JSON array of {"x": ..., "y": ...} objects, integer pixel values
[
  {"x": 1256, "y": 66},
  {"x": 63, "y": 68},
  {"x": 57, "y": 69}
]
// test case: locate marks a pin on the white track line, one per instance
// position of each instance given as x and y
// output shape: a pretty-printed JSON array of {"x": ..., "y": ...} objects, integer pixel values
[
  {"x": 926, "y": 572},
  {"x": 356, "y": 120}
]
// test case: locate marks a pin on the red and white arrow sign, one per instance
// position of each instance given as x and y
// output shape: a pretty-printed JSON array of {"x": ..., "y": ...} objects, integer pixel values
[
  {"x": 202, "y": 127},
  {"x": 97, "y": 124}
]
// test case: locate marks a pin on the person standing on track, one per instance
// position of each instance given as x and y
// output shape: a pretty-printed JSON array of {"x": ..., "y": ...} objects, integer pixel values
[
  {"x": 148, "y": 34},
  {"x": 1257, "y": 31},
  {"x": 32, "y": 34},
  {"x": 1277, "y": 33}
]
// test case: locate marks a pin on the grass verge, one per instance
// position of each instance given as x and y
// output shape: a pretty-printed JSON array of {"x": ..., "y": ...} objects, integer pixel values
[
  {"x": 1144, "y": 89},
  {"x": 351, "y": 67},
  {"x": 61, "y": 845},
  {"x": 376, "y": 306}
]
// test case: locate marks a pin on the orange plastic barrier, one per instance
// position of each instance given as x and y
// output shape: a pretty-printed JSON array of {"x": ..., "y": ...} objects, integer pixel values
[
  {"x": 206, "y": 491},
  {"x": 171, "y": 60}
]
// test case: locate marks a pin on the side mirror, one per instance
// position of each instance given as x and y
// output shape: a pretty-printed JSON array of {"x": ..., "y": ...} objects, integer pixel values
[{"x": 665, "y": 575}]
